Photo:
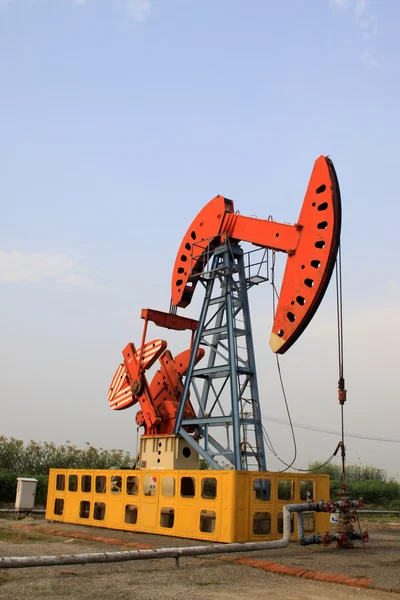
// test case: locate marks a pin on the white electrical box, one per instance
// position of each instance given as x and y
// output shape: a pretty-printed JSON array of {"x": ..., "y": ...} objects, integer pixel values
[{"x": 26, "y": 490}]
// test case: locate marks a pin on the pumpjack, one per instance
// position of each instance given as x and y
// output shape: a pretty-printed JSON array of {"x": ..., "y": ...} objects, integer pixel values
[
  {"x": 205, "y": 401},
  {"x": 215, "y": 408}
]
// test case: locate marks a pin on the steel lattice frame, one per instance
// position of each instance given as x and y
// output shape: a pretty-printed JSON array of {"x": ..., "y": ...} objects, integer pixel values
[{"x": 225, "y": 330}]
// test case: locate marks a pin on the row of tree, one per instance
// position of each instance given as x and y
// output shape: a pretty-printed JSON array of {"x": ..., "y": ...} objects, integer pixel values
[
  {"x": 36, "y": 458},
  {"x": 354, "y": 473}
]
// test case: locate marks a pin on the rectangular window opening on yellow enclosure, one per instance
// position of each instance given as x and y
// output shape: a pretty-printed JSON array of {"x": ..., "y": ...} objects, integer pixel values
[
  {"x": 280, "y": 522},
  {"x": 207, "y": 521},
  {"x": 307, "y": 490},
  {"x": 188, "y": 487},
  {"x": 262, "y": 489},
  {"x": 73, "y": 483},
  {"x": 149, "y": 485},
  {"x": 132, "y": 485},
  {"x": 58, "y": 506},
  {"x": 99, "y": 511},
  {"x": 86, "y": 483},
  {"x": 262, "y": 523},
  {"x": 84, "y": 509},
  {"x": 285, "y": 489},
  {"x": 209, "y": 488},
  {"x": 167, "y": 517},
  {"x": 60, "y": 482},
  {"x": 131, "y": 514},
  {"x": 101, "y": 484},
  {"x": 116, "y": 484}
]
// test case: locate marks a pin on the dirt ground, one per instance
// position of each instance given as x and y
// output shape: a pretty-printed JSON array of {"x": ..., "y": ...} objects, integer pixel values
[{"x": 211, "y": 577}]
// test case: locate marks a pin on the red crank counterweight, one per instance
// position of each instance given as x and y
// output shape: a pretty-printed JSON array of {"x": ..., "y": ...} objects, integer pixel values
[{"x": 158, "y": 400}]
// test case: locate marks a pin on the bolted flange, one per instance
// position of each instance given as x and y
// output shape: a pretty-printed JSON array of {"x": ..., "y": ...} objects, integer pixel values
[
  {"x": 139, "y": 418},
  {"x": 136, "y": 387}
]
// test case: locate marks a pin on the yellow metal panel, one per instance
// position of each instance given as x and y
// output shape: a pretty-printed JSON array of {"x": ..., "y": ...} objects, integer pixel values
[{"x": 227, "y": 498}]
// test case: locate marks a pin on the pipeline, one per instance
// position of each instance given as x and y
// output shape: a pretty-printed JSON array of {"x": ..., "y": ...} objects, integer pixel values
[
  {"x": 17, "y": 562},
  {"x": 37, "y": 511},
  {"x": 379, "y": 512},
  {"x": 327, "y": 538}
]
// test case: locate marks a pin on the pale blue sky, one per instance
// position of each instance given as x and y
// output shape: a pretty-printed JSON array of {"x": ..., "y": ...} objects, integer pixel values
[{"x": 119, "y": 120}]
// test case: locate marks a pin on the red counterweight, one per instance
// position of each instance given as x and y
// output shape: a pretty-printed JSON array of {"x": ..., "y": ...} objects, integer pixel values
[{"x": 158, "y": 401}]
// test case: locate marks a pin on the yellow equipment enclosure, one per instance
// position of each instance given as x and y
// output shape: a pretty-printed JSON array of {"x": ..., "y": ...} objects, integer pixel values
[{"x": 220, "y": 506}]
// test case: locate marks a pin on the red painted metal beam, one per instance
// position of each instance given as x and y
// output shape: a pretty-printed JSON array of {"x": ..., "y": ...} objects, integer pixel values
[
  {"x": 168, "y": 320},
  {"x": 311, "y": 244}
]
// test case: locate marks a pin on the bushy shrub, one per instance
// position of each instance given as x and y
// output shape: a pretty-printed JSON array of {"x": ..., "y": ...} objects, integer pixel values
[
  {"x": 370, "y": 483},
  {"x": 332, "y": 470},
  {"x": 35, "y": 459},
  {"x": 8, "y": 486},
  {"x": 379, "y": 493}
]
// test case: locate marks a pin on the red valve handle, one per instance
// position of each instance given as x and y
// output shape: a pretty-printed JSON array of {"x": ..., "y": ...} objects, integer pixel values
[
  {"x": 330, "y": 506},
  {"x": 326, "y": 540},
  {"x": 346, "y": 505}
]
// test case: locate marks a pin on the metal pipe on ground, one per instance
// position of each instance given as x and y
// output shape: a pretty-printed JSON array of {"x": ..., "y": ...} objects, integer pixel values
[
  {"x": 378, "y": 512},
  {"x": 37, "y": 511},
  {"x": 18, "y": 562}
]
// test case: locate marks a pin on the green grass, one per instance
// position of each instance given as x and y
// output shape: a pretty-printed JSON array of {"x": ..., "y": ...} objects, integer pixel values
[{"x": 377, "y": 518}]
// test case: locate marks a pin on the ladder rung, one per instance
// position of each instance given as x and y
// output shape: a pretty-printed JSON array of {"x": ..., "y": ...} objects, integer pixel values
[
  {"x": 220, "y": 371},
  {"x": 222, "y": 330}
]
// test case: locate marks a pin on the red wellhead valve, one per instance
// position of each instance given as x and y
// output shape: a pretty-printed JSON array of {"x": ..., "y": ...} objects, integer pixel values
[
  {"x": 326, "y": 539},
  {"x": 343, "y": 539},
  {"x": 330, "y": 506},
  {"x": 365, "y": 536},
  {"x": 345, "y": 505}
]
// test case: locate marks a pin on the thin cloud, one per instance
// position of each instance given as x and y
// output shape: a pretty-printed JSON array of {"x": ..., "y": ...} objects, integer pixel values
[
  {"x": 365, "y": 19},
  {"x": 393, "y": 286},
  {"x": 361, "y": 8},
  {"x": 341, "y": 4},
  {"x": 139, "y": 10},
  {"x": 361, "y": 11},
  {"x": 370, "y": 58},
  {"x": 77, "y": 280},
  {"x": 18, "y": 267}
]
